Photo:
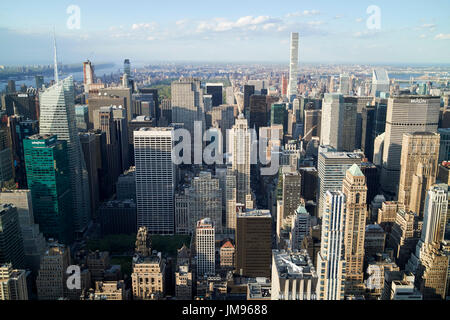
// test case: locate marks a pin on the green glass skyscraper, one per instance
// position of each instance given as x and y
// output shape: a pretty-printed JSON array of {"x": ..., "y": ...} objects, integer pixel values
[
  {"x": 48, "y": 178},
  {"x": 278, "y": 114}
]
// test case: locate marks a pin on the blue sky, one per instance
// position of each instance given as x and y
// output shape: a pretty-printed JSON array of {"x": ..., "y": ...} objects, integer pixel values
[{"x": 229, "y": 30}]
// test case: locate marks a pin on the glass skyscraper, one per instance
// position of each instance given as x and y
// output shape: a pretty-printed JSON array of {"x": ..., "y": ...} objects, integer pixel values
[
  {"x": 47, "y": 168},
  {"x": 57, "y": 116}
]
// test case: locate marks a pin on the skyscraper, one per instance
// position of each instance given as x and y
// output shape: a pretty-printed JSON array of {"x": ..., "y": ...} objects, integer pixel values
[
  {"x": 240, "y": 139},
  {"x": 254, "y": 243},
  {"x": 89, "y": 76},
  {"x": 355, "y": 191},
  {"x": 187, "y": 103},
  {"x": 330, "y": 259},
  {"x": 57, "y": 117},
  {"x": 127, "y": 68},
  {"x": 344, "y": 84},
  {"x": 332, "y": 168},
  {"x": 48, "y": 176},
  {"x": 293, "y": 67},
  {"x": 419, "y": 161},
  {"x": 332, "y": 119},
  {"x": 205, "y": 247},
  {"x": 155, "y": 179},
  {"x": 216, "y": 90},
  {"x": 11, "y": 241},
  {"x": 380, "y": 82},
  {"x": 405, "y": 114}
]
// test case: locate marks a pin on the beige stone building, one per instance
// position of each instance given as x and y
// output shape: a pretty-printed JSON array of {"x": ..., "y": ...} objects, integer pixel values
[
  {"x": 355, "y": 190},
  {"x": 183, "y": 275},
  {"x": 13, "y": 283},
  {"x": 148, "y": 277},
  {"x": 419, "y": 162}
]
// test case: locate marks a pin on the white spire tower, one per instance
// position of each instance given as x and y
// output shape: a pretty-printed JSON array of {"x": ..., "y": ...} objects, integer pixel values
[
  {"x": 293, "y": 73},
  {"x": 56, "y": 57}
]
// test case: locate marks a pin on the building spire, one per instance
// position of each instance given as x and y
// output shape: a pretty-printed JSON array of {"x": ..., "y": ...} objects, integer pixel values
[{"x": 56, "y": 57}]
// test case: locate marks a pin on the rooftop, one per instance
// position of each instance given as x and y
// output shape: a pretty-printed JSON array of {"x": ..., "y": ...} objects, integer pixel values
[{"x": 295, "y": 264}]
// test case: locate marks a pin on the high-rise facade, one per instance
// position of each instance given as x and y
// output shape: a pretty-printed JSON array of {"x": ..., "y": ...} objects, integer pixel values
[
  {"x": 57, "y": 117},
  {"x": 187, "y": 103},
  {"x": 48, "y": 176},
  {"x": 216, "y": 90},
  {"x": 419, "y": 162},
  {"x": 155, "y": 179},
  {"x": 332, "y": 119},
  {"x": 52, "y": 277},
  {"x": 380, "y": 82},
  {"x": 13, "y": 283},
  {"x": 293, "y": 66},
  {"x": 332, "y": 167},
  {"x": 240, "y": 143},
  {"x": 205, "y": 247},
  {"x": 355, "y": 191},
  {"x": 254, "y": 243},
  {"x": 344, "y": 84},
  {"x": 11, "y": 240},
  {"x": 405, "y": 114},
  {"x": 331, "y": 259}
]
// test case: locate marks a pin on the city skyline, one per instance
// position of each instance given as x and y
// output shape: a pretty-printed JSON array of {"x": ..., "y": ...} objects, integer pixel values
[{"x": 332, "y": 33}]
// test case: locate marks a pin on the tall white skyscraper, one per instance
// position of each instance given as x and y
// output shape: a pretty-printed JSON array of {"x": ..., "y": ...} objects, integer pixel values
[
  {"x": 332, "y": 167},
  {"x": 155, "y": 179},
  {"x": 330, "y": 259},
  {"x": 332, "y": 120},
  {"x": 345, "y": 84},
  {"x": 240, "y": 140},
  {"x": 205, "y": 248},
  {"x": 380, "y": 82},
  {"x": 57, "y": 116},
  {"x": 293, "y": 72}
]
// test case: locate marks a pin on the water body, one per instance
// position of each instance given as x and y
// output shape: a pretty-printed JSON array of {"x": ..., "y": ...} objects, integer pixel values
[{"x": 77, "y": 76}]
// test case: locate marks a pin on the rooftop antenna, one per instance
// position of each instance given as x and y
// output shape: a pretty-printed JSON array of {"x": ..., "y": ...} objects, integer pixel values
[{"x": 56, "y": 57}]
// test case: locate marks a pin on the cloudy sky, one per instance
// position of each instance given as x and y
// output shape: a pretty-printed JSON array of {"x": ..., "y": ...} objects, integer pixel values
[{"x": 225, "y": 31}]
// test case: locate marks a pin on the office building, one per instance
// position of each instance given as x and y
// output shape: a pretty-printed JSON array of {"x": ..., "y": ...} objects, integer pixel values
[
  {"x": 444, "y": 148},
  {"x": 187, "y": 103},
  {"x": 254, "y": 243},
  {"x": 52, "y": 277},
  {"x": 258, "y": 112},
  {"x": 380, "y": 82},
  {"x": 57, "y": 116},
  {"x": 332, "y": 120},
  {"x": 331, "y": 260},
  {"x": 11, "y": 240},
  {"x": 13, "y": 283},
  {"x": 48, "y": 175},
  {"x": 216, "y": 91},
  {"x": 405, "y": 114},
  {"x": 293, "y": 66},
  {"x": 419, "y": 161},
  {"x": 155, "y": 179},
  {"x": 355, "y": 191},
  {"x": 293, "y": 276},
  {"x": 126, "y": 185},
  {"x": 227, "y": 255},
  {"x": 118, "y": 217},
  {"x": 33, "y": 239},
  {"x": 345, "y": 86},
  {"x": 332, "y": 167},
  {"x": 6, "y": 155},
  {"x": 183, "y": 275},
  {"x": 205, "y": 248},
  {"x": 240, "y": 143}
]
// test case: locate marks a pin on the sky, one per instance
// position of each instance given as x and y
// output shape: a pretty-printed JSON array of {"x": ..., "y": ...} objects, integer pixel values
[{"x": 150, "y": 31}]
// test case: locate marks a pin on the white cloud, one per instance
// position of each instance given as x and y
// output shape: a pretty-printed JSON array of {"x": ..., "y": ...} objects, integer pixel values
[
  {"x": 442, "y": 36},
  {"x": 428, "y": 26},
  {"x": 247, "y": 22},
  {"x": 144, "y": 26},
  {"x": 422, "y": 36},
  {"x": 359, "y": 20},
  {"x": 304, "y": 13},
  {"x": 315, "y": 23}
]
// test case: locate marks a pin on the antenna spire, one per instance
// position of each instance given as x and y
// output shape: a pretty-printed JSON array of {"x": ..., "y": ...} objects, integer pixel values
[{"x": 56, "y": 57}]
